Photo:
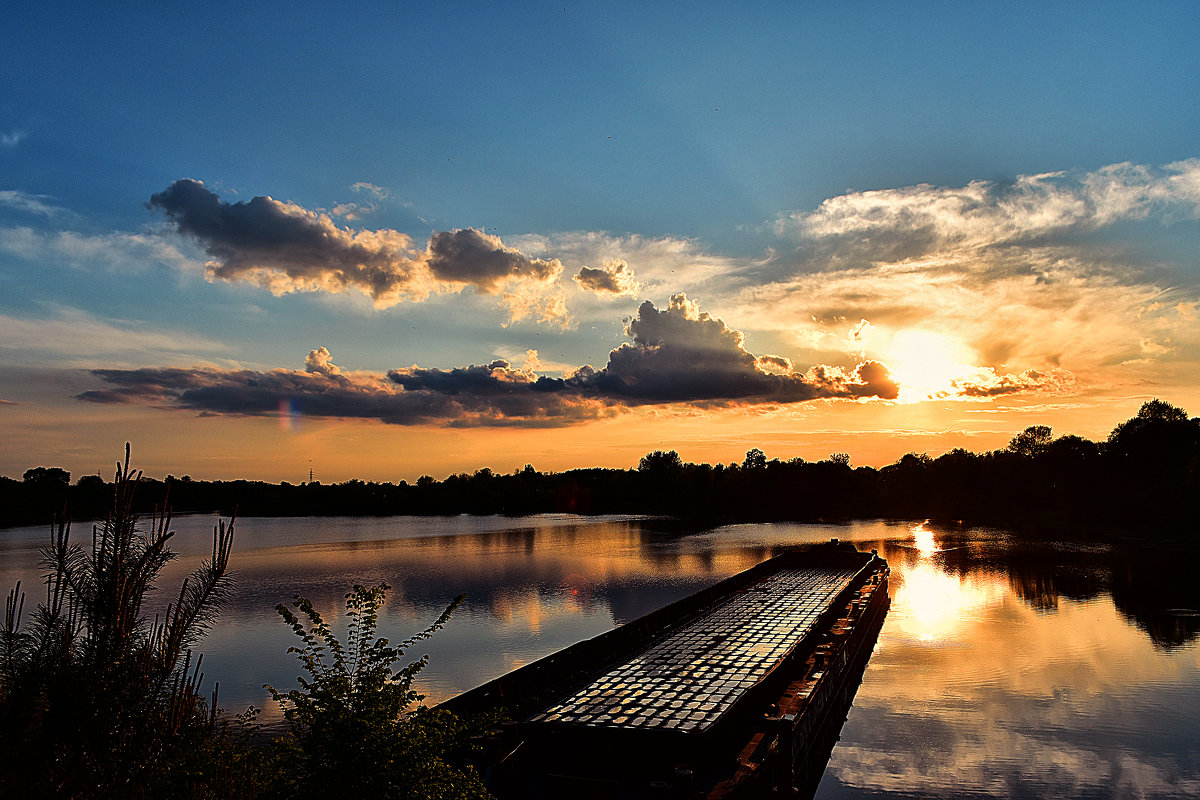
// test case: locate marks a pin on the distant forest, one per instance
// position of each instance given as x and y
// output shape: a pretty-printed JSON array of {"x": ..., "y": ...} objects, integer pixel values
[{"x": 1145, "y": 478}]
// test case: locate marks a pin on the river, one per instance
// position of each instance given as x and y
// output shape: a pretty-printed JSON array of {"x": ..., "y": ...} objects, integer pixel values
[{"x": 1006, "y": 667}]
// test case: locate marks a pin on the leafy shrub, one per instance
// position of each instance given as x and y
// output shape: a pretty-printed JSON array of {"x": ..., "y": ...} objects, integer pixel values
[{"x": 353, "y": 728}]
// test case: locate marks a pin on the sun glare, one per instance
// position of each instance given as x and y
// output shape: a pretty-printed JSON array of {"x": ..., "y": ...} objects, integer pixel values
[
  {"x": 925, "y": 363},
  {"x": 923, "y": 538}
]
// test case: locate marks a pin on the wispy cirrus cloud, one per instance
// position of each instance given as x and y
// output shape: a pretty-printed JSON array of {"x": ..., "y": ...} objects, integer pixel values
[
  {"x": 286, "y": 248},
  {"x": 891, "y": 224},
  {"x": 357, "y": 210},
  {"x": 28, "y": 203},
  {"x": 84, "y": 338},
  {"x": 118, "y": 250},
  {"x": 679, "y": 355},
  {"x": 11, "y": 138}
]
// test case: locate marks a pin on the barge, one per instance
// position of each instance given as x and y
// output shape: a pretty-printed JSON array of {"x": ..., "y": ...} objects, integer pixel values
[{"x": 736, "y": 691}]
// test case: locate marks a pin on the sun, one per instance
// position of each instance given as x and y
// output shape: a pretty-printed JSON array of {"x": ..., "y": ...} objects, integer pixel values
[{"x": 925, "y": 363}]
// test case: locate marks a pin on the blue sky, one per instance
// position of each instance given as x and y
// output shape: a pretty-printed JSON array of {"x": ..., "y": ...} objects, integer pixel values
[{"x": 996, "y": 191}]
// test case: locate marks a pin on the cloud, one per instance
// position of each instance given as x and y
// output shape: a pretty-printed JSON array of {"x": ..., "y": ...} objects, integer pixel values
[
  {"x": 892, "y": 224},
  {"x": 678, "y": 356},
  {"x": 683, "y": 354},
  {"x": 616, "y": 278},
  {"x": 1040, "y": 308},
  {"x": 1013, "y": 271},
  {"x": 986, "y": 382},
  {"x": 11, "y": 138},
  {"x": 353, "y": 211},
  {"x": 494, "y": 395},
  {"x": 286, "y": 248},
  {"x": 481, "y": 260},
  {"x": 29, "y": 203},
  {"x": 320, "y": 361},
  {"x": 378, "y": 192},
  {"x": 83, "y": 336},
  {"x": 663, "y": 263},
  {"x": 118, "y": 251}
]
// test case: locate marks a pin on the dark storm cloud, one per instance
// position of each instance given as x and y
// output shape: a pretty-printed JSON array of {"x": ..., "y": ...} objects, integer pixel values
[
  {"x": 681, "y": 354},
  {"x": 349, "y": 395},
  {"x": 678, "y": 355}
]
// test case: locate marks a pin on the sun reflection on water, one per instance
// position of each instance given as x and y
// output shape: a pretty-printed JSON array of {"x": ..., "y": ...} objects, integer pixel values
[
  {"x": 931, "y": 605},
  {"x": 923, "y": 538}
]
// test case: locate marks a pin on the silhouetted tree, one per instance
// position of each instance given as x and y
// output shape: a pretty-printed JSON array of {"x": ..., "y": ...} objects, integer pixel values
[
  {"x": 1031, "y": 442},
  {"x": 47, "y": 476},
  {"x": 660, "y": 461},
  {"x": 755, "y": 459}
]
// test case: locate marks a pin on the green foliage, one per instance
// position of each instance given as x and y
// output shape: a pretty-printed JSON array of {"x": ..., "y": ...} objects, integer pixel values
[
  {"x": 96, "y": 698},
  {"x": 354, "y": 729}
]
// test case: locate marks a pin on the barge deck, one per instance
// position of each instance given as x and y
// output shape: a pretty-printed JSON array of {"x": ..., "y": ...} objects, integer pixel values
[{"x": 731, "y": 692}]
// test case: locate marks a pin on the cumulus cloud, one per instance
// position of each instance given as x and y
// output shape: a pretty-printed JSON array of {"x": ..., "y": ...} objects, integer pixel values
[
  {"x": 481, "y": 260},
  {"x": 616, "y": 278},
  {"x": 682, "y": 354},
  {"x": 663, "y": 263},
  {"x": 679, "y": 355},
  {"x": 287, "y": 248},
  {"x": 320, "y": 361}
]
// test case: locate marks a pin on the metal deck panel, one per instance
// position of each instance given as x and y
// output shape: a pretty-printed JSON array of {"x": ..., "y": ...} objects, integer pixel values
[{"x": 688, "y": 679}]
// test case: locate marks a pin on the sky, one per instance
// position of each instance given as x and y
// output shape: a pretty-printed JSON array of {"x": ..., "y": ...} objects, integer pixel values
[{"x": 378, "y": 242}]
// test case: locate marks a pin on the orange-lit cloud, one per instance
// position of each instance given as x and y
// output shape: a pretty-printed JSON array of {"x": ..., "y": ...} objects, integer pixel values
[
  {"x": 678, "y": 355},
  {"x": 616, "y": 278},
  {"x": 1002, "y": 270},
  {"x": 286, "y": 248}
]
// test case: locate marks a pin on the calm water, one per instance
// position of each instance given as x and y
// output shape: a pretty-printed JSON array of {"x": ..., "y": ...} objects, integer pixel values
[{"x": 1005, "y": 668}]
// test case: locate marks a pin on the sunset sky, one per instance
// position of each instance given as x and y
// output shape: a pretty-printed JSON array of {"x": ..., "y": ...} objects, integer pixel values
[{"x": 396, "y": 239}]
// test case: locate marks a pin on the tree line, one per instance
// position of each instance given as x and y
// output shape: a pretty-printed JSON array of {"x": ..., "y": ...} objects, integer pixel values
[{"x": 1145, "y": 474}]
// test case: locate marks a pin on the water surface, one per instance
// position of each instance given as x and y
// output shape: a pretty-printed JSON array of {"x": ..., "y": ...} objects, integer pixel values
[{"x": 1006, "y": 667}]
